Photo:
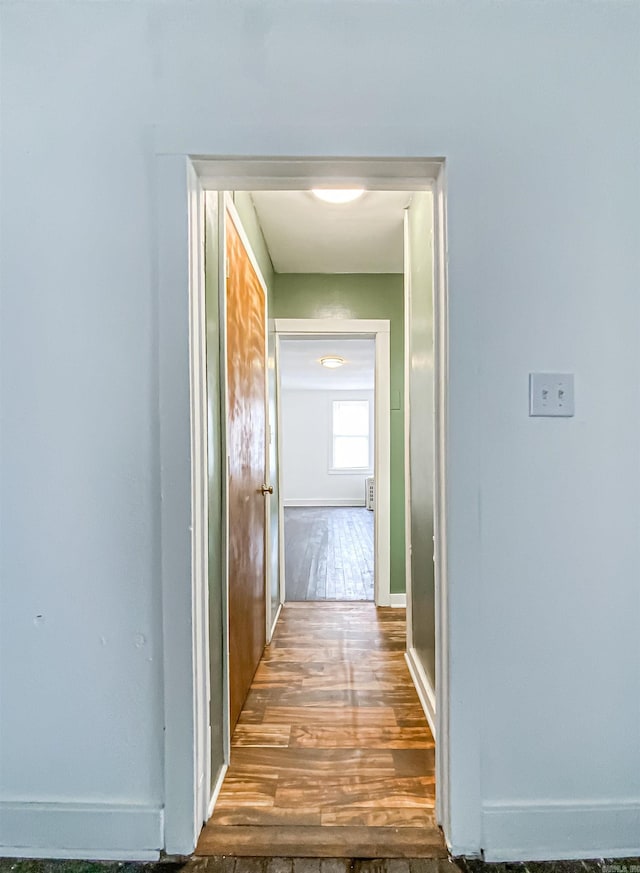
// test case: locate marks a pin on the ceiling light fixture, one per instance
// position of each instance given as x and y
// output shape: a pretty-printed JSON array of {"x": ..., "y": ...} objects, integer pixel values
[
  {"x": 337, "y": 195},
  {"x": 332, "y": 361}
]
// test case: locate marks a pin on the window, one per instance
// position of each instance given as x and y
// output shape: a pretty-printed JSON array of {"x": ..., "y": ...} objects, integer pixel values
[{"x": 350, "y": 435}]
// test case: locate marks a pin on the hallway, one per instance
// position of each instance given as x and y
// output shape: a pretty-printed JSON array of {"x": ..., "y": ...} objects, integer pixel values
[{"x": 332, "y": 755}]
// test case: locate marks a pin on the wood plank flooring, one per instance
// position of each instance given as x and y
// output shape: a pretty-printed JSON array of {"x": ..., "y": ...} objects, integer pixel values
[
  {"x": 328, "y": 553},
  {"x": 332, "y": 755}
]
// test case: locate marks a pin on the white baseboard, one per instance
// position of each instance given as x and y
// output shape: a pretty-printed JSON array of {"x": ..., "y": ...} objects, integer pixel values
[
  {"x": 93, "y": 831},
  {"x": 557, "y": 831},
  {"x": 275, "y": 622},
  {"x": 398, "y": 600},
  {"x": 77, "y": 854},
  {"x": 323, "y": 501},
  {"x": 216, "y": 790},
  {"x": 426, "y": 692}
]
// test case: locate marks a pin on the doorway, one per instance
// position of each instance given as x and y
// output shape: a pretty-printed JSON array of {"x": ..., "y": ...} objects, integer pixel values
[
  {"x": 207, "y": 183},
  {"x": 308, "y": 707},
  {"x": 327, "y": 388},
  {"x": 368, "y": 371}
]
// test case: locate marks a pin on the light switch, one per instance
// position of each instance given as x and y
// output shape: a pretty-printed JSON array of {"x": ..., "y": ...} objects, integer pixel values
[{"x": 551, "y": 394}]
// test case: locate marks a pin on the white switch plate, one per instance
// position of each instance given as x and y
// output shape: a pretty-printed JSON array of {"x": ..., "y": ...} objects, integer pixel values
[{"x": 551, "y": 394}]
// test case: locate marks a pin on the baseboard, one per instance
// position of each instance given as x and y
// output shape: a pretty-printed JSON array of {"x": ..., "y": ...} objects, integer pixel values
[
  {"x": 275, "y": 622},
  {"x": 323, "y": 501},
  {"x": 426, "y": 692},
  {"x": 398, "y": 600},
  {"x": 216, "y": 790},
  {"x": 557, "y": 831},
  {"x": 77, "y": 830},
  {"x": 97, "y": 855}
]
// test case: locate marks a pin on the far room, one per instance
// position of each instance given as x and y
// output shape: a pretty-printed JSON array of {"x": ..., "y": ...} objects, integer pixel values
[{"x": 327, "y": 419}]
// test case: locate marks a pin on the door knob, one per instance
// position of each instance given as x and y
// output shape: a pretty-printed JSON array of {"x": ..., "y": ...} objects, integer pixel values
[{"x": 267, "y": 489}]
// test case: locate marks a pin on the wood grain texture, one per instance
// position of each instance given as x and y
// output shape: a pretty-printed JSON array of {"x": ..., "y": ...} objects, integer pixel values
[
  {"x": 326, "y": 841},
  {"x": 246, "y": 368},
  {"x": 331, "y": 748},
  {"x": 329, "y": 553}
]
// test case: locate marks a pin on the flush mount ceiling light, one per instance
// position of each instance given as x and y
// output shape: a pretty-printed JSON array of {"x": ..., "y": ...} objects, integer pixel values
[
  {"x": 332, "y": 361},
  {"x": 337, "y": 195}
]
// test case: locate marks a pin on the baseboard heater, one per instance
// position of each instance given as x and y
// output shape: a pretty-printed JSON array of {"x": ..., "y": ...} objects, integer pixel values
[{"x": 370, "y": 493}]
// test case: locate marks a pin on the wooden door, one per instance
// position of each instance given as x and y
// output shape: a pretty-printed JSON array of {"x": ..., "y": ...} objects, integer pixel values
[{"x": 246, "y": 381}]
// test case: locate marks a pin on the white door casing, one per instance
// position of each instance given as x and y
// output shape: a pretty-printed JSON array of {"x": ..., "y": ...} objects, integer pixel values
[
  {"x": 183, "y": 646},
  {"x": 379, "y": 331}
]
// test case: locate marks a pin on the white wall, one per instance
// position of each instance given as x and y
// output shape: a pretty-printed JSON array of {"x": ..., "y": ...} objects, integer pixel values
[
  {"x": 80, "y": 615},
  {"x": 535, "y": 107},
  {"x": 306, "y": 450}
]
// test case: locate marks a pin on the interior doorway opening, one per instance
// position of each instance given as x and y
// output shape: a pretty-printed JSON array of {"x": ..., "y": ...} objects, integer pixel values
[
  {"x": 327, "y": 434},
  {"x": 223, "y": 265},
  {"x": 307, "y": 448}
]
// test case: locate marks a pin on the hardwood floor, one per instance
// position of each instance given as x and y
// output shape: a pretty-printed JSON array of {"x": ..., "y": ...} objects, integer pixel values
[
  {"x": 332, "y": 755},
  {"x": 328, "y": 553}
]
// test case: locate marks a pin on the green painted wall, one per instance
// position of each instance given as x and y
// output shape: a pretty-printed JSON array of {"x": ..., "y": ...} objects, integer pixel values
[
  {"x": 246, "y": 210},
  {"x": 421, "y": 429},
  {"x": 315, "y": 295}
]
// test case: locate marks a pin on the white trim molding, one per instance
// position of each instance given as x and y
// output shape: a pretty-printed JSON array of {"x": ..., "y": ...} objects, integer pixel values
[
  {"x": 199, "y": 486},
  {"x": 181, "y": 639},
  {"x": 426, "y": 691},
  {"x": 267, "y": 173},
  {"x": 222, "y": 772},
  {"x": 440, "y": 515},
  {"x": 91, "y": 831},
  {"x": 382, "y": 468},
  {"x": 281, "y": 556},
  {"x": 380, "y": 330},
  {"x": 398, "y": 600},
  {"x": 181, "y": 663},
  {"x": 559, "y": 830},
  {"x": 407, "y": 427},
  {"x": 343, "y": 326}
]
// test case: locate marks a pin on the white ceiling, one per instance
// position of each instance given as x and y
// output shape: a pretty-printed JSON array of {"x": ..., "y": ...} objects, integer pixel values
[
  {"x": 306, "y": 235},
  {"x": 300, "y": 366}
]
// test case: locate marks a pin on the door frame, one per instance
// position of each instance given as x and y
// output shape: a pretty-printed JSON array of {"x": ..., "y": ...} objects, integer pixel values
[
  {"x": 181, "y": 180},
  {"x": 379, "y": 331},
  {"x": 425, "y": 688}
]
